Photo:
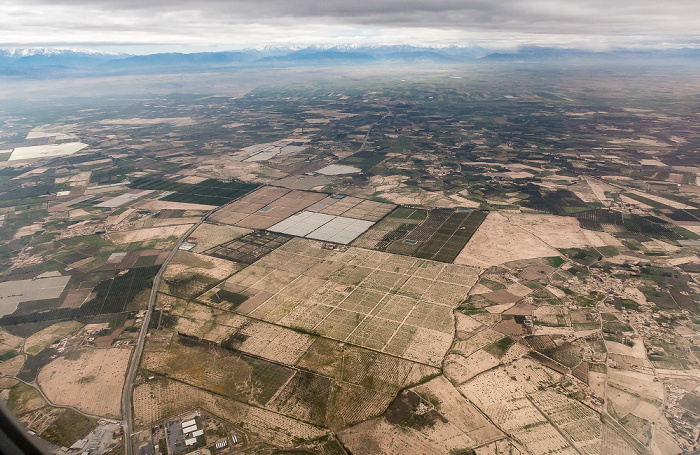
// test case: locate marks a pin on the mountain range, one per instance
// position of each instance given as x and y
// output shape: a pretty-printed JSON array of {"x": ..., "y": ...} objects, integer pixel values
[{"x": 28, "y": 62}]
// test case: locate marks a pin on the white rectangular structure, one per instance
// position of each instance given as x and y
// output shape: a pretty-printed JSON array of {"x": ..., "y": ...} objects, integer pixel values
[
  {"x": 189, "y": 442},
  {"x": 341, "y": 230},
  {"x": 188, "y": 423},
  {"x": 46, "y": 151},
  {"x": 189, "y": 429},
  {"x": 301, "y": 224},
  {"x": 320, "y": 226},
  {"x": 197, "y": 433},
  {"x": 122, "y": 199}
]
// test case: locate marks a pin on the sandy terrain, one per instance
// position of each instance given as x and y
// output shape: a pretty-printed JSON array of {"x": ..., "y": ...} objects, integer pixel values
[
  {"x": 599, "y": 188},
  {"x": 9, "y": 341},
  {"x": 185, "y": 263},
  {"x": 464, "y": 426},
  {"x": 208, "y": 235},
  {"x": 498, "y": 241},
  {"x": 154, "y": 206},
  {"x": 460, "y": 369},
  {"x": 141, "y": 235},
  {"x": 90, "y": 380},
  {"x": 13, "y": 366},
  {"x": 662, "y": 200},
  {"x": 637, "y": 351},
  {"x": 49, "y": 335},
  {"x": 176, "y": 221},
  {"x": 505, "y": 237}
]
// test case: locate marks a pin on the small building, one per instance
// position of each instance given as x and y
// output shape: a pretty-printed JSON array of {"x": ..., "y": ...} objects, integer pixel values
[
  {"x": 189, "y": 429},
  {"x": 188, "y": 423},
  {"x": 77, "y": 445},
  {"x": 221, "y": 444},
  {"x": 187, "y": 246},
  {"x": 191, "y": 441},
  {"x": 197, "y": 433}
]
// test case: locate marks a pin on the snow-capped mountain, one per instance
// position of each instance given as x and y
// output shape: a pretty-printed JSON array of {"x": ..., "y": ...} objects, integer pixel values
[{"x": 75, "y": 58}]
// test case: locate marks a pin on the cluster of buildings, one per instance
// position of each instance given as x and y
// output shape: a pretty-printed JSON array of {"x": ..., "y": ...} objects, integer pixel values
[{"x": 190, "y": 430}]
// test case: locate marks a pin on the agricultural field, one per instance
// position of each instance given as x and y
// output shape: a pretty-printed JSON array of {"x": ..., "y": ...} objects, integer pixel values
[
  {"x": 265, "y": 207},
  {"x": 401, "y": 306},
  {"x": 426, "y": 262},
  {"x": 209, "y": 235},
  {"x": 207, "y": 192},
  {"x": 314, "y": 379},
  {"x": 158, "y": 399},
  {"x": 36, "y": 343},
  {"x": 190, "y": 274},
  {"x": 89, "y": 380},
  {"x": 58, "y": 426},
  {"x": 248, "y": 248},
  {"x": 438, "y": 234}
]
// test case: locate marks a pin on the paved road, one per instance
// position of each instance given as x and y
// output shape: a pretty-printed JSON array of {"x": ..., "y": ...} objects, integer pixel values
[{"x": 138, "y": 350}]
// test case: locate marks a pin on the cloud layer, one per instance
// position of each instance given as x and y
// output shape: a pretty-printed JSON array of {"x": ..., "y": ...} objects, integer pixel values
[{"x": 242, "y": 23}]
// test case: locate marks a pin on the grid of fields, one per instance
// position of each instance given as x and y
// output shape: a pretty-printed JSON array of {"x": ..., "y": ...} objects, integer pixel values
[
  {"x": 265, "y": 207},
  {"x": 208, "y": 192},
  {"x": 338, "y": 219},
  {"x": 394, "y": 227},
  {"x": 111, "y": 296},
  {"x": 449, "y": 239},
  {"x": 320, "y": 226},
  {"x": 389, "y": 303},
  {"x": 438, "y": 235},
  {"x": 248, "y": 248},
  {"x": 352, "y": 207}
]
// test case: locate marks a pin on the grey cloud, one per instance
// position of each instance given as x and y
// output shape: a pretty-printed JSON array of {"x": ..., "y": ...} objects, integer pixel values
[{"x": 617, "y": 23}]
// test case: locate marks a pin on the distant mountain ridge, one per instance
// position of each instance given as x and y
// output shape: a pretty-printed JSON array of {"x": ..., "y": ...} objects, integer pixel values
[
  {"x": 72, "y": 58},
  {"x": 25, "y": 62}
]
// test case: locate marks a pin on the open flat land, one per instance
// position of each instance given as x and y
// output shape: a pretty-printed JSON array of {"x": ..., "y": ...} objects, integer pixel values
[
  {"x": 402, "y": 306},
  {"x": 488, "y": 259},
  {"x": 91, "y": 380}
]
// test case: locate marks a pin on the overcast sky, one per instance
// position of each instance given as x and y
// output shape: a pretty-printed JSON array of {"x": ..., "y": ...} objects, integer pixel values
[{"x": 146, "y": 25}]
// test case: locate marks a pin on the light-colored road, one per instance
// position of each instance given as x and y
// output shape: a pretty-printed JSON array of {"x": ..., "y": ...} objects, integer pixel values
[{"x": 138, "y": 350}]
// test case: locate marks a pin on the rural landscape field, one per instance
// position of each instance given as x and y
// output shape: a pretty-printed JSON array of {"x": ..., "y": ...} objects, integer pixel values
[{"x": 476, "y": 259}]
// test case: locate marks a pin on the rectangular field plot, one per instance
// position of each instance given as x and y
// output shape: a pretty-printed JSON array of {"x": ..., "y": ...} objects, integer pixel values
[
  {"x": 399, "y": 305},
  {"x": 12, "y": 293},
  {"x": 438, "y": 235},
  {"x": 581, "y": 424},
  {"x": 248, "y": 248},
  {"x": 110, "y": 296},
  {"x": 302, "y": 224},
  {"x": 393, "y": 227},
  {"x": 320, "y": 226},
  {"x": 352, "y": 207},
  {"x": 208, "y": 192},
  {"x": 340, "y": 230},
  {"x": 265, "y": 207}
]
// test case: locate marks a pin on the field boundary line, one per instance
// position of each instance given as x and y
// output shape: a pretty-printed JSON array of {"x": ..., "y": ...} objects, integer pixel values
[{"x": 556, "y": 427}]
